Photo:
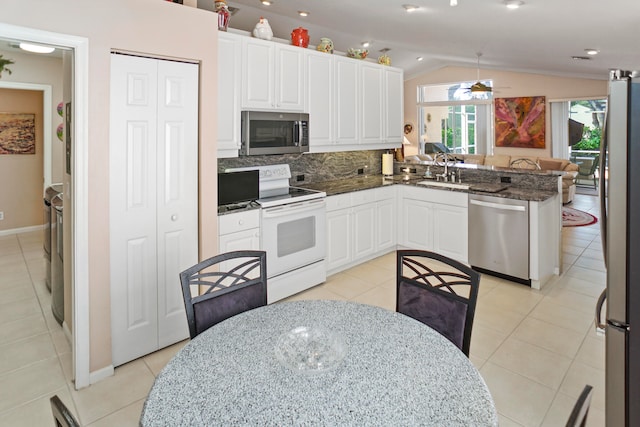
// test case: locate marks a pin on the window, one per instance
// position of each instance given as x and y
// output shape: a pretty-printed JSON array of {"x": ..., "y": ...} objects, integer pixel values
[{"x": 454, "y": 116}]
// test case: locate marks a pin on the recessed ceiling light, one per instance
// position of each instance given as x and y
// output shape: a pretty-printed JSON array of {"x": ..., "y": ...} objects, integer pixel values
[
  {"x": 410, "y": 8},
  {"x": 303, "y": 13},
  {"x": 365, "y": 44},
  {"x": 591, "y": 51},
  {"x": 419, "y": 58},
  {"x": 513, "y": 4},
  {"x": 266, "y": 2},
  {"x": 36, "y": 48},
  {"x": 453, "y": 2}
]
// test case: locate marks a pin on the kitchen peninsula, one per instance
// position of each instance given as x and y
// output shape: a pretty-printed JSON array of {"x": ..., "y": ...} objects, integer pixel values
[{"x": 424, "y": 214}]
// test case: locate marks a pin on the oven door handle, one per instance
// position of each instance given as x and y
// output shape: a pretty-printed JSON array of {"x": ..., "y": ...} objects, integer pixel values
[{"x": 288, "y": 209}]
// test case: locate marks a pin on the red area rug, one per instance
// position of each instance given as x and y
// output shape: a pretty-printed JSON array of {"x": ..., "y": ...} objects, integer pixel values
[{"x": 575, "y": 218}]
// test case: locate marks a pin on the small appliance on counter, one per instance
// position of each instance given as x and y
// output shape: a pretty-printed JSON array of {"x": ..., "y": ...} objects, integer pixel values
[
  {"x": 238, "y": 188},
  {"x": 387, "y": 164}
]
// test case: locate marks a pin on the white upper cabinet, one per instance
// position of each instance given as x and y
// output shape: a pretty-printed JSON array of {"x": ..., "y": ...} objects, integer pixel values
[
  {"x": 371, "y": 80},
  {"x": 393, "y": 94},
  {"x": 272, "y": 76},
  {"x": 229, "y": 85},
  {"x": 347, "y": 103},
  {"x": 320, "y": 98}
]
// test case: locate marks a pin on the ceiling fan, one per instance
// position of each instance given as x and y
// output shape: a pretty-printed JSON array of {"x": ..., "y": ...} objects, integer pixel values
[{"x": 478, "y": 86}]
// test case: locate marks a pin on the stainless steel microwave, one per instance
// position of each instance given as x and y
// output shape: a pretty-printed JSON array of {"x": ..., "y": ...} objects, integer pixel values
[{"x": 267, "y": 132}]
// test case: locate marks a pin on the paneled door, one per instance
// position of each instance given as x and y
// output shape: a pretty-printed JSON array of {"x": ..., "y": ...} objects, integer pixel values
[{"x": 153, "y": 162}]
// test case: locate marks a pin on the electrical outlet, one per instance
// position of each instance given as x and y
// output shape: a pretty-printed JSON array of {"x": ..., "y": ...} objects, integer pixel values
[
  {"x": 413, "y": 170},
  {"x": 505, "y": 179},
  {"x": 360, "y": 171},
  {"x": 300, "y": 178},
  {"x": 1, "y": 215}
]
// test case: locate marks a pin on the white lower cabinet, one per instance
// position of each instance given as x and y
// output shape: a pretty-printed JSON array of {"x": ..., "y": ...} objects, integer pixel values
[
  {"x": 360, "y": 226},
  {"x": 435, "y": 220},
  {"x": 239, "y": 231}
]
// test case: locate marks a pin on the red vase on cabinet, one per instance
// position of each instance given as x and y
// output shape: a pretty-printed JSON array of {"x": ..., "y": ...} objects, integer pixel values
[
  {"x": 222, "y": 10},
  {"x": 300, "y": 37}
]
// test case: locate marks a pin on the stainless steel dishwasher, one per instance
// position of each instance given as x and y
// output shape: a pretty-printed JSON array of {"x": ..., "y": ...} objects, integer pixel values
[{"x": 499, "y": 236}]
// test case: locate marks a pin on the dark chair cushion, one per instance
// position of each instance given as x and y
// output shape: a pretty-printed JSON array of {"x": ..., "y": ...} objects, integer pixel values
[
  {"x": 214, "y": 310},
  {"x": 435, "y": 309}
]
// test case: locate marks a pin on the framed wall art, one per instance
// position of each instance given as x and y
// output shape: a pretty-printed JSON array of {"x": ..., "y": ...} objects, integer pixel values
[
  {"x": 17, "y": 133},
  {"x": 520, "y": 122}
]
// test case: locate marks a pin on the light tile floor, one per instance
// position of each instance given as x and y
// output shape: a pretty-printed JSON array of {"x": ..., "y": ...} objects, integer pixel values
[{"x": 535, "y": 349}]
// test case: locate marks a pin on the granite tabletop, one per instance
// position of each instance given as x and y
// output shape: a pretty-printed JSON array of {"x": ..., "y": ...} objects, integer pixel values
[
  {"x": 374, "y": 181},
  {"x": 397, "y": 371}
]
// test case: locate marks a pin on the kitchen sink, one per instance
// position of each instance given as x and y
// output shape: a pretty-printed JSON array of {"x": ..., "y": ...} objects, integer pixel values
[{"x": 457, "y": 185}]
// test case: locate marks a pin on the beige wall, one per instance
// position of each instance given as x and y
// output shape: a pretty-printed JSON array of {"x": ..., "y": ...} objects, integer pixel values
[
  {"x": 22, "y": 174},
  {"x": 152, "y": 27},
  {"x": 508, "y": 84}
]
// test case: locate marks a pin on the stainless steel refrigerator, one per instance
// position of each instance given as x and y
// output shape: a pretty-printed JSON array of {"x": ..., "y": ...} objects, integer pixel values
[{"x": 620, "y": 222}]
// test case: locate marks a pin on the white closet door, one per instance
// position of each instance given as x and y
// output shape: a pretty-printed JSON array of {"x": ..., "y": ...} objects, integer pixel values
[
  {"x": 177, "y": 191},
  {"x": 153, "y": 215}
]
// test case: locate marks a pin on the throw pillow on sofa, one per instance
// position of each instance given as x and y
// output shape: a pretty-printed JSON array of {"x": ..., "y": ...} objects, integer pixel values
[{"x": 550, "y": 165}]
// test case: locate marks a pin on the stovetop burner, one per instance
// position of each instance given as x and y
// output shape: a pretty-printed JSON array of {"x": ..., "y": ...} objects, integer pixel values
[{"x": 291, "y": 195}]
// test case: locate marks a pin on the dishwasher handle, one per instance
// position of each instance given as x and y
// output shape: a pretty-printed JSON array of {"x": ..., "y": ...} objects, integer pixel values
[{"x": 498, "y": 206}]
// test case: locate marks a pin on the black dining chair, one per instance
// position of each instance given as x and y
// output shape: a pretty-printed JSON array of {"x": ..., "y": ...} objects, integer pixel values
[
  {"x": 578, "y": 417},
  {"x": 61, "y": 414},
  {"x": 223, "y": 286},
  {"x": 439, "y": 292}
]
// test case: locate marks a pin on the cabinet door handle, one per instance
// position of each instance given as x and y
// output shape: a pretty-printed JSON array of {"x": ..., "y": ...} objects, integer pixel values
[{"x": 174, "y": 217}]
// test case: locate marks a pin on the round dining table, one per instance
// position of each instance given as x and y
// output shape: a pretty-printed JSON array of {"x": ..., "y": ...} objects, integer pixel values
[{"x": 395, "y": 371}]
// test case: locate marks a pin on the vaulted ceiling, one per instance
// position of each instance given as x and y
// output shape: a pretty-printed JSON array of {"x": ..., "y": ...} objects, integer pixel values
[{"x": 541, "y": 36}]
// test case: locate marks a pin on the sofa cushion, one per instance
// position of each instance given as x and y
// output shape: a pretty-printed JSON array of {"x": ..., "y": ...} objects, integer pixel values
[
  {"x": 474, "y": 159},
  {"x": 499, "y": 160},
  {"x": 550, "y": 165}
]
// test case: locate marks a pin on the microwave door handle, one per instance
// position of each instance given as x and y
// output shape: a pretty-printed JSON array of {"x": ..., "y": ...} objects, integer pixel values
[{"x": 297, "y": 132}]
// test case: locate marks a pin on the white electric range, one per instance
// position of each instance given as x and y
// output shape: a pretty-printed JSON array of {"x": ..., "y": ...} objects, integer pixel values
[{"x": 293, "y": 232}]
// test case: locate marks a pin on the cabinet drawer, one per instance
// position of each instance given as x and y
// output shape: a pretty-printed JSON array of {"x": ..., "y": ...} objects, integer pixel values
[
  {"x": 339, "y": 201},
  {"x": 362, "y": 197},
  {"x": 232, "y": 223}
]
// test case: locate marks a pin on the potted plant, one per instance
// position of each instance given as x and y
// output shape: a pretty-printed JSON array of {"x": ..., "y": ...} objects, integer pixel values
[{"x": 3, "y": 65}]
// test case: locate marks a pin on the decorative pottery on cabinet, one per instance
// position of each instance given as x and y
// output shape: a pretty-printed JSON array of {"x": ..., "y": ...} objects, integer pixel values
[
  {"x": 300, "y": 37},
  {"x": 325, "y": 45},
  {"x": 384, "y": 59},
  {"x": 263, "y": 30},
  {"x": 357, "y": 53},
  {"x": 222, "y": 10}
]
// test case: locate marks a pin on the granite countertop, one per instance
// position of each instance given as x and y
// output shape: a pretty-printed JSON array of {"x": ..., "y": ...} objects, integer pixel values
[
  {"x": 397, "y": 371},
  {"x": 375, "y": 181}
]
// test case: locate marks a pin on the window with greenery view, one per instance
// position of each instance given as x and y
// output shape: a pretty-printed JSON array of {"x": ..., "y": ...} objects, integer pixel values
[{"x": 452, "y": 115}]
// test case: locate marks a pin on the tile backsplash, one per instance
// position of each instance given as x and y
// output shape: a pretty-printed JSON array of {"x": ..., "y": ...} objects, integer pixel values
[{"x": 315, "y": 167}]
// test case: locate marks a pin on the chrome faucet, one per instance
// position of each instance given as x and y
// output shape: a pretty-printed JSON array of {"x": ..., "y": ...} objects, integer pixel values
[{"x": 436, "y": 160}]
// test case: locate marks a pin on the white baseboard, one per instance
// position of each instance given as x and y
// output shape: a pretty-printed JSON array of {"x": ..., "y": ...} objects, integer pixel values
[
  {"x": 101, "y": 374},
  {"x": 21, "y": 230}
]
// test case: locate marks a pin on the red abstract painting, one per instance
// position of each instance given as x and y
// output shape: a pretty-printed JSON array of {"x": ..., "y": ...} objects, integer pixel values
[{"x": 520, "y": 122}]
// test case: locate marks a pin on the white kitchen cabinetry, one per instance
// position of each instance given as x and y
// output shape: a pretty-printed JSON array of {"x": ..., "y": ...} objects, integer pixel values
[
  {"x": 229, "y": 85},
  {"x": 360, "y": 226},
  {"x": 239, "y": 231},
  {"x": 371, "y": 81},
  {"x": 273, "y": 76},
  {"x": 347, "y": 101},
  {"x": 393, "y": 113},
  {"x": 153, "y": 201},
  {"x": 320, "y": 98},
  {"x": 435, "y": 220}
]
